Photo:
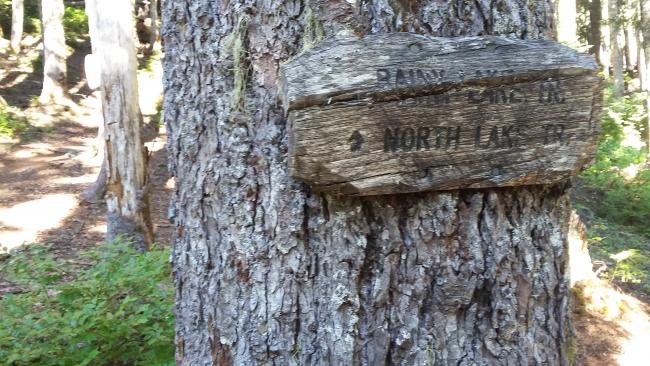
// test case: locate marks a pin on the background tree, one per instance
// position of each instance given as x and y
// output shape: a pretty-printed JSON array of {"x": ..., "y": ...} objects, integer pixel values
[
  {"x": 615, "y": 43},
  {"x": 17, "y": 15},
  {"x": 594, "y": 26},
  {"x": 127, "y": 199},
  {"x": 54, "y": 52},
  {"x": 267, "y": 270}
]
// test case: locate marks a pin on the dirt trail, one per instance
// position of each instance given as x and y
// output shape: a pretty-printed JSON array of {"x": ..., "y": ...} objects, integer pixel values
[{"x": 41, "y": 181}]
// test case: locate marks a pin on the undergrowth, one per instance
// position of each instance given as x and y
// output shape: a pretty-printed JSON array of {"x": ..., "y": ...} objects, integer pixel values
[
  {"x": 75, "y": 24},
  {"x": 11, "y": 125},
  {"x": 615, "y": 190},
  {"x": 112, "y": 306},
  {"x": 31, "y": 19}
]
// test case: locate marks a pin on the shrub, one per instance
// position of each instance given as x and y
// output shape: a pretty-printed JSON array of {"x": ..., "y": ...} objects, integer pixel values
[
  {"x": 75, "y": 24},
  {"x": 31, "y": 20},
  {"x": 10, "y": 125},
  {"x": 623, "y": 201},
  {"x": 117, "y": 311}
]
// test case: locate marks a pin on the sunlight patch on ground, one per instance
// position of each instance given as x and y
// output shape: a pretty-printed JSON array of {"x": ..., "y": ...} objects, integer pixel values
[
  {"x": 99, "y": 228},
  {"x": 82, "y": 179},
  {"x": 19, "y": 79},
  {"x": 150, "y": 87},
  {"x": 623, "y": 311},
  {"x": 156, "y": 144},
  {"x": 23, "y": 222}
]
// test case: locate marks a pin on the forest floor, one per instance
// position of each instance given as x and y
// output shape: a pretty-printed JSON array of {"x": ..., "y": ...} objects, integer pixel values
[{"x": 45, "y": 169}]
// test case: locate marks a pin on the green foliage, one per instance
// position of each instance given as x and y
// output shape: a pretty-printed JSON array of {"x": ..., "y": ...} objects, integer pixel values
[
  {"x": 625, "y": 201},
  {"x": 75, "y": 24},
  {"x": 31, "y": 21},
  {"x": 619, "y": 233},
  {"x": 114, "y": 308},
  {"x": 628, "y": 252},
  {"x": 10, "y": 125}
]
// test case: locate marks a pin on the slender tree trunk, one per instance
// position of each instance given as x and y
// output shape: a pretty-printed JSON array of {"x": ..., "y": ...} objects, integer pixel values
[
  {"x": 567, "y": 29},
  {"x": 269, "y": 272},
  {"x": 632, "y": 47},
  {"x": 627, "y": 51},
  {"x": 595, "y": 18},
  {"x": 644, "y": 16},
  {"x": 615, "y": 39},
  {"x": 153, "y": 14},
  {"x": 17, "y": 19},
  {"x": 641, "y": 65},
  {"x": 605, "y": 54},
  {"x": 127, "y": 197},
  {"x": 54, "y": 52},
  {"x": 97, "y": 190}
]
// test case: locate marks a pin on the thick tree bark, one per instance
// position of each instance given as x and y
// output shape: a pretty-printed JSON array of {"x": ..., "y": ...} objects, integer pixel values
[
  {"x": 269, "y": 272},
  {"x": 615, "y": 42},
  {"x": 127, "y": 197},
  {"x": 17, "y": 19},
  {"x": 54, "y": 52}
]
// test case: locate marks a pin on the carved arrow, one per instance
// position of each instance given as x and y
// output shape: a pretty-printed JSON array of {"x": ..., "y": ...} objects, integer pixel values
[{"x": 356, "y": 140}]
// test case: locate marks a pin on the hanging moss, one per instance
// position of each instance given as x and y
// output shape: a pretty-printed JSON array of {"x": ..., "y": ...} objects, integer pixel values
[
  {"x": 235, "y": 45},
  {"x": 313, "y": 30}
]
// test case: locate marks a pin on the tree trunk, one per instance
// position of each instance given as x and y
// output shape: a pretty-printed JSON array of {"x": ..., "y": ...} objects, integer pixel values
[
  {"x": 269, "y": 272},
  {"x": 17, "y": 19},
  {"x": 641, "y": 64},
  {"x": 595, "y": 13},
  {"x": 644, "y": 16},
  {"x": 127, "y": 197},
  {"x": 631, "y": 49},
  {"x": 567, "y": 29},
  {"x": 54, "y": 52},
  {"x": 615, "y": 43},
  {"x": 96, "y": 191},
  {"x": 153, "y": 14},
  {"x": 605, "y": 54}
]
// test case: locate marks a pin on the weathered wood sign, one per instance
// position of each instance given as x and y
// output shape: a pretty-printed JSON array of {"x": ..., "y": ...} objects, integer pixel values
[{"x": 401, "y": 112}]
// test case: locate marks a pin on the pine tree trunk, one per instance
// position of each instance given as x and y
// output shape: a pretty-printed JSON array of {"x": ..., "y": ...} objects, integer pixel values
[
  {"x": 127, "y": 197},
  {"x": 615, "y": 46},
  {"x": 54, "y": 52},
  {"x": 605, "y": 51},
  {"x": 595, "y": 13},
  {"x": 644, "y": 15},
  {"x": 17, "y": 18},
  {"x": 96, "y": 191},
  {"x": 631, "y": 48},
  {"x": 641, "y": 64},
  {"x": 153, "y": 14},
  {"x": 269, "y": 272}
]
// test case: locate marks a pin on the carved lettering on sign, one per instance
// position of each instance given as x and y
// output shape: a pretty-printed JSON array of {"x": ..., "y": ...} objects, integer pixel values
[
  {"x": 406, "y": 77},
  {"x": 400, "y": 113},
  {"x": 421, "y": 138}
]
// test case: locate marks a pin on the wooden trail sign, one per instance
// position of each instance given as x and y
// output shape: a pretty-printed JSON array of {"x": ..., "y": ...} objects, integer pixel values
[{"x": 400, "y": 112}]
